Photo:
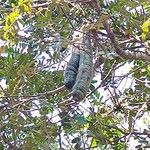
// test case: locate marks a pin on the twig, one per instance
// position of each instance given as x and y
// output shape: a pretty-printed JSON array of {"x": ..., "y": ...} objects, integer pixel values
[
  {"x": 67, "y": 17},
  {"x": 138, "y": 114},
  {"x": 105, "y": 78},
  {"x": 40, "y": 95},
  {"x": 40, "y": 5}
]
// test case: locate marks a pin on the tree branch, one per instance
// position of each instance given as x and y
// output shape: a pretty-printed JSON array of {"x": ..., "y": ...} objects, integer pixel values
[{"x": 124, "y": 54}]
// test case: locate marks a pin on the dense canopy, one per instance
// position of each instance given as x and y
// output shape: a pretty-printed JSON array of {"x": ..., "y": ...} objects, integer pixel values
[{"x": 37, "y": 112}]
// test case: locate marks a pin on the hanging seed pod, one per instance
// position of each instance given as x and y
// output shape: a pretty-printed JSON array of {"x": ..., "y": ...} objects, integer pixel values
[
  {"x": 73, "y": 64},
  {"x": 71, "y": 70},
  {"x": 85, "y": 73}
]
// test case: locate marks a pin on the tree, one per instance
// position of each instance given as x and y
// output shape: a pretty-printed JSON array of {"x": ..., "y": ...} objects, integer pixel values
[{"x": 36, "y": 110}]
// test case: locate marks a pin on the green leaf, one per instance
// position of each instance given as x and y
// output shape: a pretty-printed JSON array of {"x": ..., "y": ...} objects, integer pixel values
[
  {"x": 1, "y": 146},
  {"x": 94, "y": 81},
  {"x": 80, "y": 120}
]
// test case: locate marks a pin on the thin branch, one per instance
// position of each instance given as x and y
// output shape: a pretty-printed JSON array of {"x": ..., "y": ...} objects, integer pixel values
[
  {"x": 138, "y": 114},
  {"x": 105, "y": 78},
  {"x": 66, "y": 16},
  {"x": 40, "y": 95},
  {"x": 44, "y": 5}
]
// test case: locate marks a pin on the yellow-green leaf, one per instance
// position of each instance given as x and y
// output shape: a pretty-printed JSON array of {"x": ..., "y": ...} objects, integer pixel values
[
  {"x": 148, "y": 68},
  {"x": 13, "y": 15},
  {"x": 94, "y": 143},
  {"x": 143, "y": 36},
  {"x": 145, "y": 25},
  {"x": 20, "y": 2},
  {"x": 145, "y": 28}
]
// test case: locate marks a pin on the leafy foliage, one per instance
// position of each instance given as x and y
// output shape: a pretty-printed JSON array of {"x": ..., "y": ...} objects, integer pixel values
[{"x": 37, "y": 112}]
